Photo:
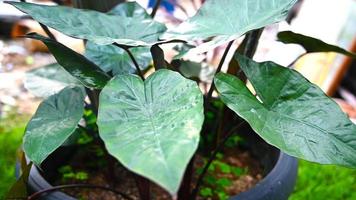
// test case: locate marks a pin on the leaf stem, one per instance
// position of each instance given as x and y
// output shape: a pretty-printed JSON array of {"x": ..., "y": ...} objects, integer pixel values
[
  {"x": 212, "y": 158},
  {"x": 48, "y": 32},
  {"x": 94, "y": 100},
  {"x": 210, "y": 93},
  {"x": 155, "y": 8},
  {"x": 295, "y": 60},
  {"x": 158, "y": 57},
  {"x": 55, "y": 188},
  {"x": 250, "y": 48},
  {"x": 252, "y": 42},
  {"x": 126, "y": 48}
]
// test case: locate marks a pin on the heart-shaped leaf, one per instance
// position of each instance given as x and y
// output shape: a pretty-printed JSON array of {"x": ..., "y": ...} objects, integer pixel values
[
  {"x": 54, "y": 121},
  {"x": 94, "y": 26},
  {"x": 153, "y": 124},
  {"x": 229, "y": 19},
  {"x": 293, "y": 114},
  {"x": 77, "y": 65},
  {"x": 48, "y": 80},
  {"x": 310, "y": 44}
]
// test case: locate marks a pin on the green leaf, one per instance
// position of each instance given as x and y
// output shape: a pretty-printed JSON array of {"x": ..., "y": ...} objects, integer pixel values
[
  {"x": 152, "y": 125},
  {"x": 48, "y": 80},
  {"x": 100, "y": 28},
  {"x": 77, "y": 65},
  {"x": 292, "y": 113},
  {"x": 130, "y": 9},
  {"x": 206, "y": 192},
  {"x": 224, "y": 182},
  {"x": 224, "y": 168},
  {"x": 310, "y": 44},
  {"x": 227, "y": 20},
  {"x": 54, "y": 121},
  {"x": 115, "y": 59},
  {"x": 19, "y": 189}
]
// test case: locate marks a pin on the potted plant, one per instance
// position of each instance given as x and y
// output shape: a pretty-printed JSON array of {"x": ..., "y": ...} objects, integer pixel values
[{"x": 157, "y": 126}]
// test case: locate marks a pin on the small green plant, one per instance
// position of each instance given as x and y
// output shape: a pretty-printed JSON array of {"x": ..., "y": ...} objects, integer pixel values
[
  {"x": 68, "y": 174},
  {"x": 155, "y": 121},
  {"x": 214, "y": 186}
]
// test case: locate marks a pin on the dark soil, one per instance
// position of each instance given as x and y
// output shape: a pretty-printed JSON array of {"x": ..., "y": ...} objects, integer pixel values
[{"x": 103, "y": 170}]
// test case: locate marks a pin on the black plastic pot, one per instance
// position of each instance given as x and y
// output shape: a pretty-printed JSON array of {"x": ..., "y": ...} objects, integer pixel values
[{"x": 280, "y": 169}]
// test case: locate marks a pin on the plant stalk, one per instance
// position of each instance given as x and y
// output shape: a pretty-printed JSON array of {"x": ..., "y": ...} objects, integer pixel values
[
  {"x": 221, "y": 63},
  {"x": 94, "y": 100},
  {"x": 38, "y": 194},
  {"x": 252, "y": 42},
  {"x": 295, "y": 60},
  {"x": 126, "y": 48},
  {"x": 155, "y": 8},
  {"x": 158, "y": 57},
  {"x": 249, "y": 51},
  {"x": 211, "y": 159},
  {"x": 136, "y": 64}
]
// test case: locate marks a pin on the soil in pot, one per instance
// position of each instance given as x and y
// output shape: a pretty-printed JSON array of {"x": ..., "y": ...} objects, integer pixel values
[{"x": 234, "y": 170}]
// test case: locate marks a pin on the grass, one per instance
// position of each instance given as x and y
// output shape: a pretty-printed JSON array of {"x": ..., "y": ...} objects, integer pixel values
[
  {"x": 315, "y": 182},
  {"x": 11, "y": 130},
  {"x": 320, "y": 182}
]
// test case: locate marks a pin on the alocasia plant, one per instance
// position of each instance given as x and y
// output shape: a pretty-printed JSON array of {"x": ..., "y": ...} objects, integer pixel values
[{"x": 155, "y": 122}]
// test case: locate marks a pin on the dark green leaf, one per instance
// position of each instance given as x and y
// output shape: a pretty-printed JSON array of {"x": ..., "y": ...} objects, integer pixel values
[
  {"x": 293, "y": 114},
  {"x": 152, "y": 125},
  {"x": 310, "y": 44},
  {"x": 77, "y": 65},
  {"x": 54, "y": 121},
  {"x": 227, "y": 20},
  {"x": 19, "y": 190},
  {"x": 48, "y": 80},
  {"x": 115, "y": 59},
  {"x": 94, "y": 26}
]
